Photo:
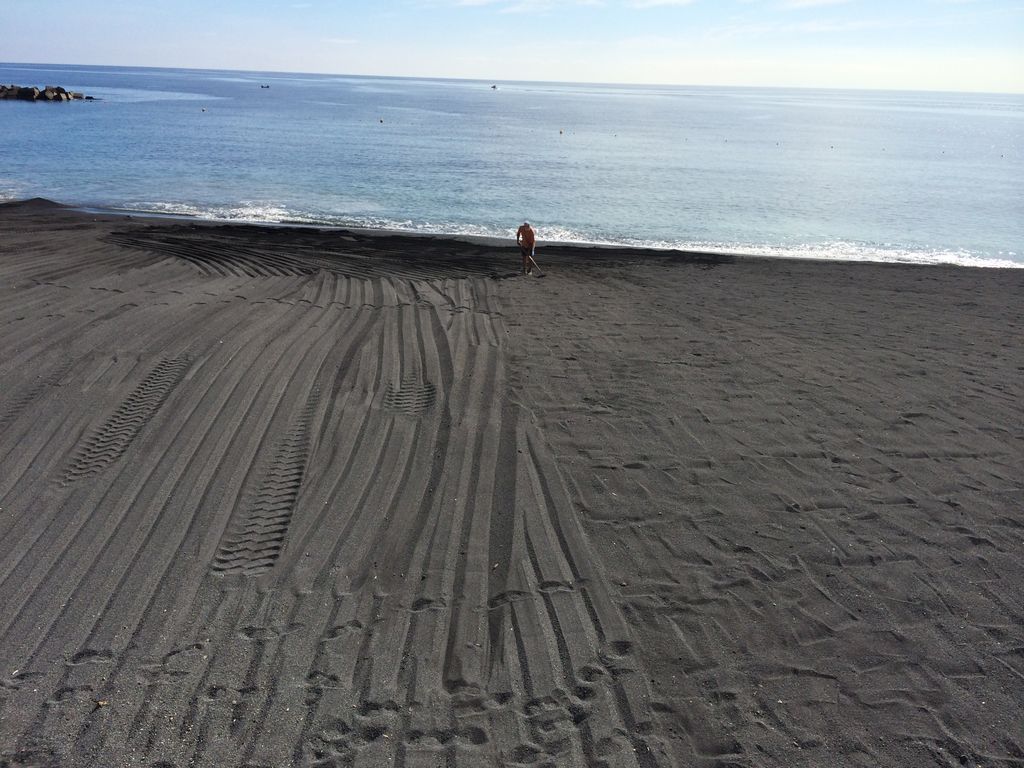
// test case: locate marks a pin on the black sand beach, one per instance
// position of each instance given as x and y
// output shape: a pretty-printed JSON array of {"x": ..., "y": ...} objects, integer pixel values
[{"x": 292, "y": 497}]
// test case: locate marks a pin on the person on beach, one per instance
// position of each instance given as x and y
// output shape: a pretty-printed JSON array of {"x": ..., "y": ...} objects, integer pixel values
[{"x": 527, "y": 241}]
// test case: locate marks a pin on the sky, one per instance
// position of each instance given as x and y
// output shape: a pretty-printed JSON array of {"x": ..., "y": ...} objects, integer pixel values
[{"x": 953, "y": 45}]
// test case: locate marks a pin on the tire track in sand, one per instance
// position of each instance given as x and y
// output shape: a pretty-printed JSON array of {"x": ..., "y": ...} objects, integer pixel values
[
  {"x": 255, "y": 538},
  {"x": 110, "y": 440}
]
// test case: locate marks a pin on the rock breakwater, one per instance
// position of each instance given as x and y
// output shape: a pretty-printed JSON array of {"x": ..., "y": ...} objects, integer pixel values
[{"x": 46, "y": 93}]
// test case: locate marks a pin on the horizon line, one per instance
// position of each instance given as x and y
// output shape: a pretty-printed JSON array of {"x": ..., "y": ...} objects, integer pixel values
[{"x": 507, "y": 81}]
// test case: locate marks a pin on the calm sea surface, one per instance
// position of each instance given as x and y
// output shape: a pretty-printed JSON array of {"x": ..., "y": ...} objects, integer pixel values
[{"x": 891, "y": 176}]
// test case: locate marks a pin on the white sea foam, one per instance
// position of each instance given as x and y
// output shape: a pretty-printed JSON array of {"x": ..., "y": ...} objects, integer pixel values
[
  {"x": 244, "y": 211},
  {"x": 263, "y": 212},
  {"x": 842, "y": 251}
]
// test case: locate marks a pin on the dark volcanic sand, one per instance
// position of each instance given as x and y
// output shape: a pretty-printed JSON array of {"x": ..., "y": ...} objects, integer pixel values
[{"x": 275, "y": 497}]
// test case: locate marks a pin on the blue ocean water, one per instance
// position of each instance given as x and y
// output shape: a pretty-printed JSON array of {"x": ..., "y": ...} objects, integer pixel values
[{"x": 856, "y": 175}]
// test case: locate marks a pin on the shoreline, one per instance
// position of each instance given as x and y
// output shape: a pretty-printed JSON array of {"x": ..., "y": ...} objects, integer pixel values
[{"x": 980, "y": 262}]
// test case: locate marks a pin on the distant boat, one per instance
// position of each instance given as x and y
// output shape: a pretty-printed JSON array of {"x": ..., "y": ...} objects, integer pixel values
[
  {"x": 264, "y": 86},
  {"x": 494, "y": 87}
]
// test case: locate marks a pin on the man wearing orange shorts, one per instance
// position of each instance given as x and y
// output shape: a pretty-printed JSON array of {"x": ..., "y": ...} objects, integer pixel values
[{"x": 527, "y": 240}]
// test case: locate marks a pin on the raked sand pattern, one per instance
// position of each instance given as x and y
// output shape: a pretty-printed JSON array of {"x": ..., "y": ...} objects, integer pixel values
[
  {"x": 275, "y": 497},
  {"x": 262, "y": 514}
]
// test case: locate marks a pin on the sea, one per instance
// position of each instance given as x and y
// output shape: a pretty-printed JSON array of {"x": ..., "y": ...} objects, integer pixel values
[{"x": 892, "y": 176}]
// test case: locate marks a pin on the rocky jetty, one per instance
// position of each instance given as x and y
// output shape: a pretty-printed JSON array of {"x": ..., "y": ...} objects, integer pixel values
[{"x": 47, "y": 93}]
